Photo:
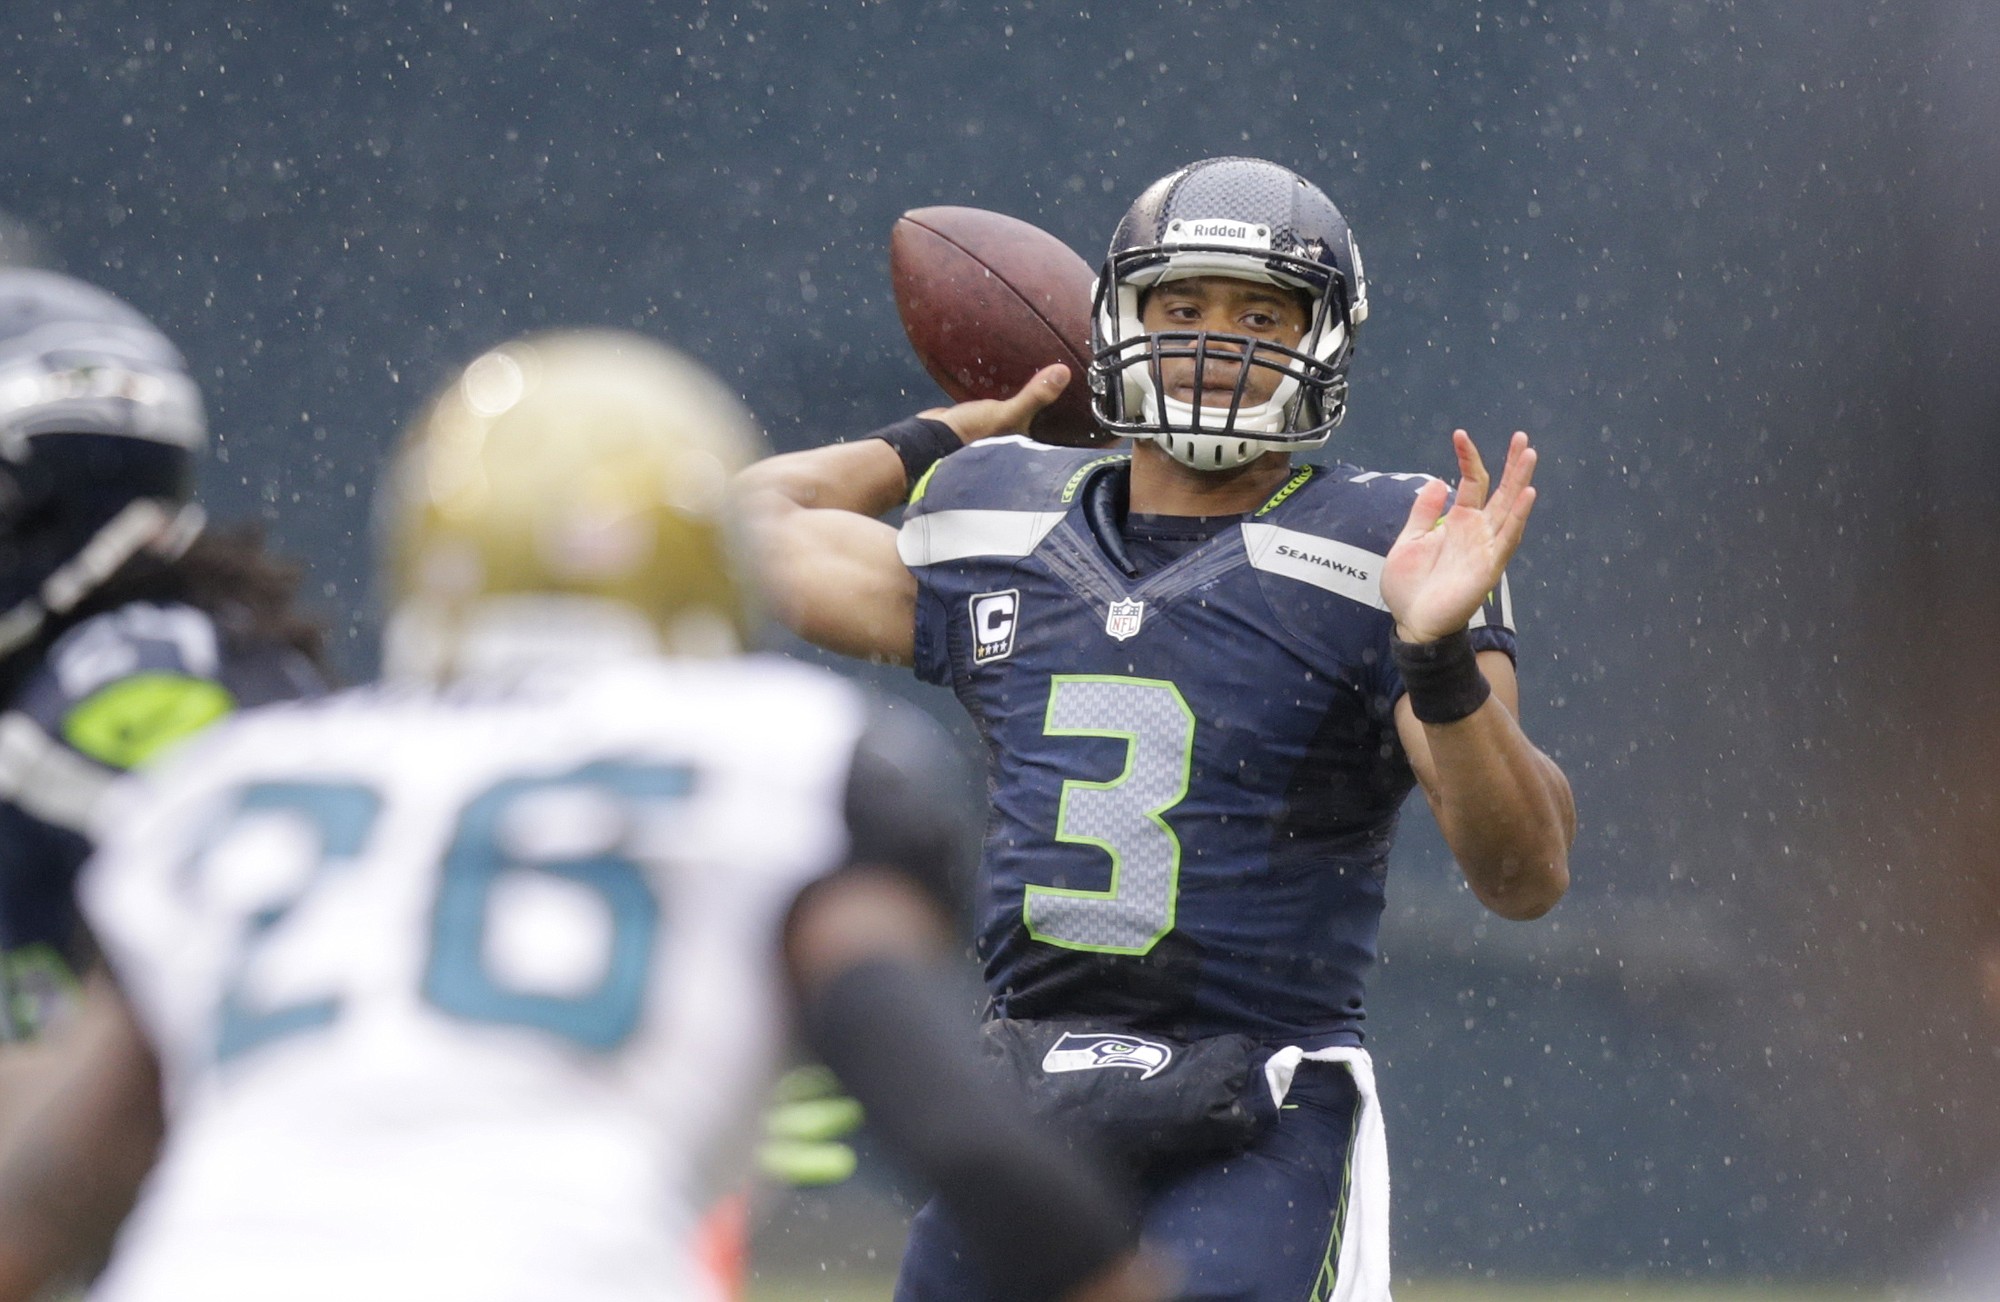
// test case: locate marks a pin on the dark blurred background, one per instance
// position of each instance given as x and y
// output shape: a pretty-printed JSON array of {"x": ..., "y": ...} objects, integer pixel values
[{"x": 1736, "y": 265}]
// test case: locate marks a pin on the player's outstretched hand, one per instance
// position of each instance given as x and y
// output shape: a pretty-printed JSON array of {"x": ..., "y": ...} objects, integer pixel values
[
  {"x": 986, "y": 417},
  {"x": 1445, "y": 563}
]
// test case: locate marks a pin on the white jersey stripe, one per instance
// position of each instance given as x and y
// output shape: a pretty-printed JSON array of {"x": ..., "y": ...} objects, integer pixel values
[
  {"x": 955, "y": 535},
  {"x": 47, "y": 779},
  {"x": 1340, "y": 568}
]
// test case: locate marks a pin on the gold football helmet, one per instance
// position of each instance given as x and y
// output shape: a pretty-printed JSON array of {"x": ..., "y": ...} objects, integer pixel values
[{"x": 563, "y": 483}]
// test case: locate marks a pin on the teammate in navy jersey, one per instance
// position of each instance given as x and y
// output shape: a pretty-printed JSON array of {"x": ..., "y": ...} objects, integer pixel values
[
  {"x": 1206, "y": 675},
  {"x": 125, "y": 627}
]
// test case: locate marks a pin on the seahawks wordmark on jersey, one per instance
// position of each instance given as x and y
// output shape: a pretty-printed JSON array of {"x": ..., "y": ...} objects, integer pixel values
[
  {"x": 473, "y": 994},
  {"x": 1195, "y": 772}
]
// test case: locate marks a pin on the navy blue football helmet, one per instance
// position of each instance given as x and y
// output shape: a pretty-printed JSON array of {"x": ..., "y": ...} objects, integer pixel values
[
  {"x": 100, "y": 424},
  {"x": 1251, "y": 220}
]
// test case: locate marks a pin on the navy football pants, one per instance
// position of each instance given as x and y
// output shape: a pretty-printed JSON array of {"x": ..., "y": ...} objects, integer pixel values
[{"x": 1256, "y": 1227}]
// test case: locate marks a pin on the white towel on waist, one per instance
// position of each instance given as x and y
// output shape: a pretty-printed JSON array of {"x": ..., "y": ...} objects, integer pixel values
[{"x": 1362, "y": 1272}]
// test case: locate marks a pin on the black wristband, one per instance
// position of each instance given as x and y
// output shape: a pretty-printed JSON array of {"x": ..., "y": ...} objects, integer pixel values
[
  {"x": 921, "y": 442},
  {"x": 1443, "y": 677}
]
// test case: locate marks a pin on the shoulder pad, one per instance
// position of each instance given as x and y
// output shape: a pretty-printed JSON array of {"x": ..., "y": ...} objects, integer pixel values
[
  {"x": 997, "y": 497},
  {"x": 1334, "y": 532},
  {"x": 120, "y": 687},
  {"x": 126, "y": 723},
  {"x": 1362, "y": 508},
  {"x": 1329, "y": 528},
  {"x": 1010, "y": 473},
  {"x": 134, "y": 637}
]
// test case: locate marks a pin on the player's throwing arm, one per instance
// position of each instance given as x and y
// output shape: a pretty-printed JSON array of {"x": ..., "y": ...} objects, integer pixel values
[{"x": 831, "y": 567}]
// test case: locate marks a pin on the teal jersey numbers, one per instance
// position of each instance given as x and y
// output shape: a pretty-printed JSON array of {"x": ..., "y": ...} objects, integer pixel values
[
  {"x": 456, "y": 977},
  {"x": 335, "y": 819},
  {"x": 338, "y": 821}
]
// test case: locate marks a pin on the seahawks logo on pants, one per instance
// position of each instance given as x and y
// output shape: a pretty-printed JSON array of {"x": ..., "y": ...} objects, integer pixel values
[{"x": 1091, "y": 1050}]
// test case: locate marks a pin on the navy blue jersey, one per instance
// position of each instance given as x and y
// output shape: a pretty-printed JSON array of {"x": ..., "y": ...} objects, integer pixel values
[
  {"x": 111, "y": 692},
  {"x": 1194, "y": 770}
]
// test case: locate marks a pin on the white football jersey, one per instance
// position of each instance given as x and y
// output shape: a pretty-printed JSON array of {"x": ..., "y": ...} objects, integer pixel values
[{"x": 469, "y": 994}]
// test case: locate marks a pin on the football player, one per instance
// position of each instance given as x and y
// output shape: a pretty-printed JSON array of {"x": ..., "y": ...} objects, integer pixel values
[
  {"x": 466, "y": 985},
  {"x": 1207, "y": 675},
  {"x": 124, "y": 625}
]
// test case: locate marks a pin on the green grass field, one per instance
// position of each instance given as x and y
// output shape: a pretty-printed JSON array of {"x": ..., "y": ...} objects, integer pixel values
[{"x": 795, "y": 1289}]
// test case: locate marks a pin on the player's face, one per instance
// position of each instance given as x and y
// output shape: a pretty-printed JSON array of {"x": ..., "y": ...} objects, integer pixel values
[{"x": 1225, "y": 306}]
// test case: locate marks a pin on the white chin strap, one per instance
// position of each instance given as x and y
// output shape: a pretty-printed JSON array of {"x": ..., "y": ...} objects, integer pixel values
[{"x": 1220, "y": 450}]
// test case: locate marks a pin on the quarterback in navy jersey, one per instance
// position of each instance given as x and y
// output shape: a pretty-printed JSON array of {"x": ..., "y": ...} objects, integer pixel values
[
  {"x": 1249, "y": 905},
  {"x": 1206, "y": 674}
]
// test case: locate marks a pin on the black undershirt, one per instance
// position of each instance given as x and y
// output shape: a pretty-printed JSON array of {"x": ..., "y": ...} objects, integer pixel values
[
  {"x": 1154, "y": 542},
  {"x": 1139, "y": 542}
]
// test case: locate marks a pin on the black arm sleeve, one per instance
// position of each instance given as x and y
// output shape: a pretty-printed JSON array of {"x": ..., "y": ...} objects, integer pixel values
[
  {"x": 907, "y": 805},
  {"x": 1039, "y": 1220}
]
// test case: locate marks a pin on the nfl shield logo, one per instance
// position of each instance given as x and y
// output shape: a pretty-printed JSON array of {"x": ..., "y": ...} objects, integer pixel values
[{"x": 1123, "y": 621}]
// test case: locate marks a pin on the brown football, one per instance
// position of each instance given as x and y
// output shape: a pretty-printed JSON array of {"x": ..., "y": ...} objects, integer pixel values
[{"x": 987, "y": 300}]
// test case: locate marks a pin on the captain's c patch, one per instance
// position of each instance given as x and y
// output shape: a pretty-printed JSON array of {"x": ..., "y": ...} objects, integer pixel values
[{"x": 995, "y": 615}]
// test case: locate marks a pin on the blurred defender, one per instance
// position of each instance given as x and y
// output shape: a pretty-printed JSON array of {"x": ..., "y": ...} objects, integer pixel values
[{"x": 466, "y": 985}]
